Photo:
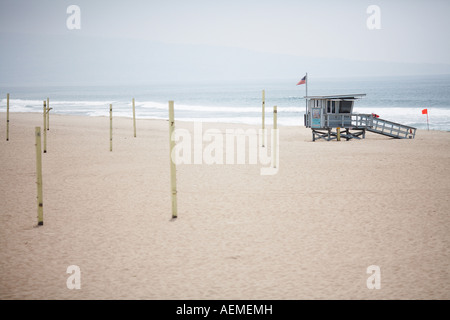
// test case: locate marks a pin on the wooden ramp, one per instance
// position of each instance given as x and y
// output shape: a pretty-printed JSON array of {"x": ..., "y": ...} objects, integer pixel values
[{"x": 392, "y": 129}]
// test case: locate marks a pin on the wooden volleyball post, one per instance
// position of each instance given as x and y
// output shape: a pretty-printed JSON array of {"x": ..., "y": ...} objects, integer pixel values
[
  {"x": 7, "y": 117},
  {"x": 275, "y": 136},
  {"x": 263, "y": 115},
  {"x": 173, "y": 169},
  {"x": 338, "y": 134},
  {"x": 48, "y": 114},
  {"x": 40, "y": 208},
  {"x": 45, "y": 126},
  {"x": 110, "y": 127},
  {"x": 134, "y": 120}
]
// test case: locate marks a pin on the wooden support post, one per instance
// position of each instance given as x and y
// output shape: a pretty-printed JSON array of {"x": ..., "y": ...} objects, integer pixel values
[
  {"x": 7, "y": 117},
  {"x": 134, "y": 120},
  {"x": 40, "y": 204},
  {"x": 275, "y": 137},
  {"x": 45, "y": 126},
  {"x": 48, "y": 114},
  {"x": 173, "y": 169},
  {"x": 263, "y": 115},
  {"x": 338, "y": 131},
  {"x": 110, "y": 127}
]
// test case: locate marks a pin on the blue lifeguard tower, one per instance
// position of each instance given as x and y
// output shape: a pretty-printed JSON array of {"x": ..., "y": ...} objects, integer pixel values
[{"x": 332, "y": 116}]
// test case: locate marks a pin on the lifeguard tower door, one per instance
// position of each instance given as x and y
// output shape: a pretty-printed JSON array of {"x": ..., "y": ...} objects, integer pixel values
[{"x": 317, "y": 120}]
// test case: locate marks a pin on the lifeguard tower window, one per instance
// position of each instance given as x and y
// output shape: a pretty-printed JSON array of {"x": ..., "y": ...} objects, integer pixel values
[
  {"x": 346, "y": 106},
  {"x": 342, "y": 106},
  {"x": 331, "y": 106}
]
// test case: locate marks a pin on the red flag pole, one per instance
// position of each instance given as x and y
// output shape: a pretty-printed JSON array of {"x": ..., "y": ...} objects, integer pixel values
[{"x": 428, "y": 125}]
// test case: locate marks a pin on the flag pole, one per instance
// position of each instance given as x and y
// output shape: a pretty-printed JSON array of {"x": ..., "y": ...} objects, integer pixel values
[
  {"x": 428, "y": 125},
  {"x": 306, "y": 100}
]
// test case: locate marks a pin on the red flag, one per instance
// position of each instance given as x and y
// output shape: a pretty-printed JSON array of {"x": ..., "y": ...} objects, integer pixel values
[
  {"x": 425, "y": 111},
  {"x": 303, "y": 81}
]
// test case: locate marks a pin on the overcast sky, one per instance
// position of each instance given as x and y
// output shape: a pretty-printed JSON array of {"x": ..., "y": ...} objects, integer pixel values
[
  {"x": 198, "y": 40},
  {"x": 411, "y": 30}
]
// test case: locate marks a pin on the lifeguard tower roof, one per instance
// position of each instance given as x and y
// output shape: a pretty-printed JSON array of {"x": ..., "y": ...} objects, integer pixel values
[{"x": 338, "y": 96}]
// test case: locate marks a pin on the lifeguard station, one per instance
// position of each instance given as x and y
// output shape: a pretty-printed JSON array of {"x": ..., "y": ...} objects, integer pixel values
[{"x": 330, "y": 117}]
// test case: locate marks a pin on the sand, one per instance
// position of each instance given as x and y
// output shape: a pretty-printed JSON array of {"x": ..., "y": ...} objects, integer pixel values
[{"x": 308, "y": 232}]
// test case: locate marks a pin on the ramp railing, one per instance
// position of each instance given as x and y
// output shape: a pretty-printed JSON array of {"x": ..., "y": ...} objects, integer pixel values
[
  {"x": 348, "y": 120},
  {"x": 392, "y": 129}
]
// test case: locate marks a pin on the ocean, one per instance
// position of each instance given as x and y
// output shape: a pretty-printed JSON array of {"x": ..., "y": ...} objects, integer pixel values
[{"x": 398, "y": 99}]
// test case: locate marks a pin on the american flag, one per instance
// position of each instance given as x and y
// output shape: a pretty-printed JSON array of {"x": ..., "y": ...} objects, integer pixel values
[{"x": 303, "y": 81}]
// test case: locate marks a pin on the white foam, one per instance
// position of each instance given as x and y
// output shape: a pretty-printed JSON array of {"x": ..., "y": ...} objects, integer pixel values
[
  {"x": 287, "y": 115},
  {"x": 213, "y": 108},
  {"x": 438, "y": 118}
]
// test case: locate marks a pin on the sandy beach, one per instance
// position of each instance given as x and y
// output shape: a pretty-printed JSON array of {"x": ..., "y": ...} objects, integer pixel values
[{"x": 308, "y": 232}]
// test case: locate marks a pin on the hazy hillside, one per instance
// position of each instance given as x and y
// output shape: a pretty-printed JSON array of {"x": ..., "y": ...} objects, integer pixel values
[{"x": 75, "y": 59}]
